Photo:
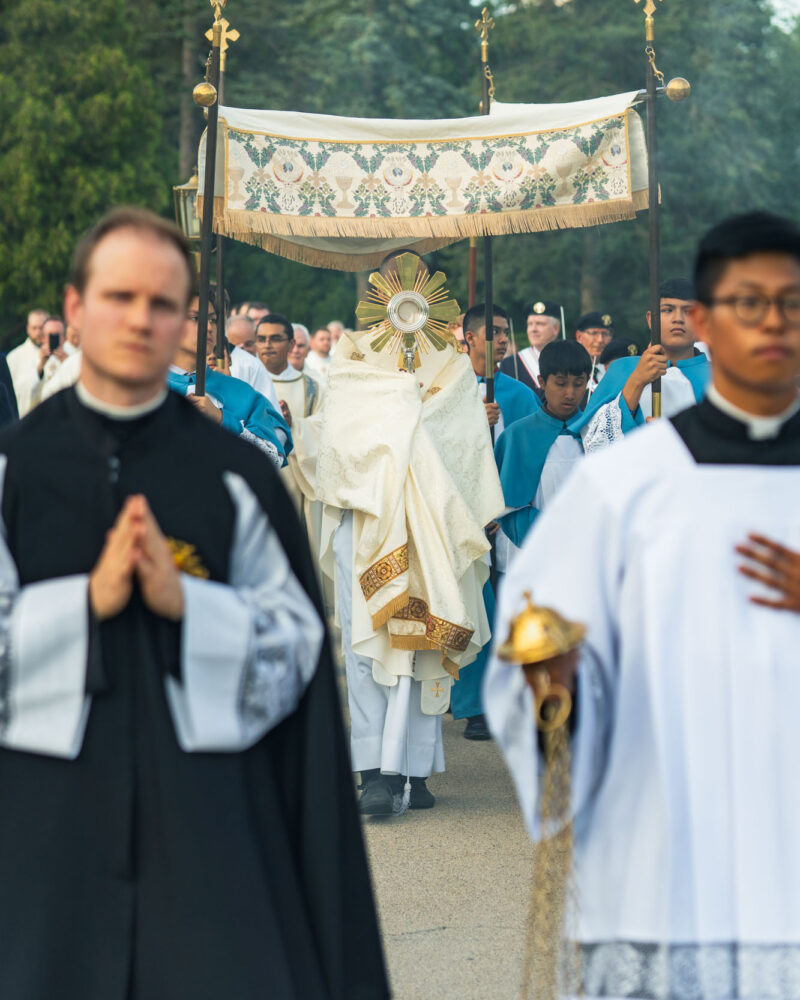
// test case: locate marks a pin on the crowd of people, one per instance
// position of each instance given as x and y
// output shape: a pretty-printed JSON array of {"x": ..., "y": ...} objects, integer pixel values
[{"x": 169, "y": 726}]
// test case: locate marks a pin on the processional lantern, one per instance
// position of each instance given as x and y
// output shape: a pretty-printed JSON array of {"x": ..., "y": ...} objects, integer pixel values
[{"x": 185, "y": 199}]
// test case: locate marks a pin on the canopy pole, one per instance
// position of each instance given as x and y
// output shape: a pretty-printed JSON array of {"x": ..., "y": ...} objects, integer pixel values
[
  {"x": 227, "y": 36},
  {"x": 207, "y": 233},
  {"x": 654, "y": 78},
  {"x": 484, "y": 25}
]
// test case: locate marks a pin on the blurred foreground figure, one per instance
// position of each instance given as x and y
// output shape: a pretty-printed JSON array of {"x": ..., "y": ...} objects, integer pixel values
[
  {"x": 178, "y": 817},
  {"x": 686, "y": 740}
]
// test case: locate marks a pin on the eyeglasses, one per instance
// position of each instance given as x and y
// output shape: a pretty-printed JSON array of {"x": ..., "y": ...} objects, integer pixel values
[
  {"x": 271, "y": 340},
  {"x": 753, "y": 309},
  {"x": 194, "y": 317}
]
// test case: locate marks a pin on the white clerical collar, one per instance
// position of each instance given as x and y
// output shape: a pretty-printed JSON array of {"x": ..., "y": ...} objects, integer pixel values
[
  {"x": 119, "y": 412},
  {"x": 758, "y": 428}
]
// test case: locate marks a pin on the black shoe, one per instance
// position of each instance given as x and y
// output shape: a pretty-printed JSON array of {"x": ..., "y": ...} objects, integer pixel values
[
  {"x": 376, "y": 795},
  {"x": 476, "y": 728},
  {"x": 421, "y": 797}
]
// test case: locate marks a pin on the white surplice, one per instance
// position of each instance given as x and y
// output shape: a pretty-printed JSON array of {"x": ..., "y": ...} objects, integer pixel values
[{"x": 686, "y": 803}]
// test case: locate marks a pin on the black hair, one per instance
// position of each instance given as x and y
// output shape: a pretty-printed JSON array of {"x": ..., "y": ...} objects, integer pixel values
[
  {"x": 279, "y": 320},
  {"x": 737, "y": 237},
  {"x": 564, "y": 357},
  {"x": 677, "y": 288},
  {"x": 475, "y": 317}
]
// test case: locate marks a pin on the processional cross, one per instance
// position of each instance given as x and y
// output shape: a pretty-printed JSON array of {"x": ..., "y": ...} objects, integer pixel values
[{"x": 227, "y": 34}]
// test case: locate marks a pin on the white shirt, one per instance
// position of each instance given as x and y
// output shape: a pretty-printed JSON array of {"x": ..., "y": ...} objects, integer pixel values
[{"x": 249, "y": 369}]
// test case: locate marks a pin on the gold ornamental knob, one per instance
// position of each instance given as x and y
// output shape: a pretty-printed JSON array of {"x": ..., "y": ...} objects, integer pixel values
[
  {"x": 678, "y": 89},
  {"x": 204, "y": 95},
  {"x": 539, "y": 633}
]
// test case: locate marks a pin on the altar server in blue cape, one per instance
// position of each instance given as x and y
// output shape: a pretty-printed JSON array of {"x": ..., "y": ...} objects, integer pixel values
[
  {"x": 536, "y": 455},
  {"x": 513, "y": 402},
  {"x": 623, "y": 400},
  {"x": 228, "y": 400}
]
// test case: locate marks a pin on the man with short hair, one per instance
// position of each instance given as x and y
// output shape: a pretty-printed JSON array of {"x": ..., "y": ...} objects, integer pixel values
[
  {"x": 23, "y": 360},
  {"x": 228, "y": 401},
  {"x": 177, "y": 804},
  {"x": 542, "y": 326},
  {"x": 336, "y": 329},
  {"x": 256, "y": 311},
  {"x": 319, "y": 357},
  {"x": 298, "y": 396},
  {"x": 51, "y": 357},
  {"x": 623, "y": 400},
  {"x": 684, "y": 742},
  {"x": 513, "y": 401},
  {"x": 241, "y": 332},
  {"x": 301, "y": 345}
]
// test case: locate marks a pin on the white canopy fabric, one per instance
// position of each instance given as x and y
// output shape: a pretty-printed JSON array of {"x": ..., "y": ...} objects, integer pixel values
[{"x": 343, "y": 192}]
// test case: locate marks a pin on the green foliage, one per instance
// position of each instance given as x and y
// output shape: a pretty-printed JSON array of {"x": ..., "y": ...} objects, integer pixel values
[
  {"x": 81, "y": 132},
  {"x": 96, "y": 97}
]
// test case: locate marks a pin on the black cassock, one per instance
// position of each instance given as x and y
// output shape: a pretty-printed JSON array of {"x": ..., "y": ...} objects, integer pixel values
[{"x": 129, "y": 867}]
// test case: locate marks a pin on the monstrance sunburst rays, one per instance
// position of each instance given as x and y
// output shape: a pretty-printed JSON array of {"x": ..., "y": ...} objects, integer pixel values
[{"x": 408, "y": 310}]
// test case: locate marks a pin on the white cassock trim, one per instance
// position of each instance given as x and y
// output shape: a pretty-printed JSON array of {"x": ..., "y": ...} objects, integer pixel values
[
  {"x": 249, "y": 648},
  {"x": 44, "y": 646}
]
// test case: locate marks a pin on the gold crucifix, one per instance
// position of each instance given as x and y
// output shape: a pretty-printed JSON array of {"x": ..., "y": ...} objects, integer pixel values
[
  {"x": 227, "y": 35},
  {"x": 484, "y": 25}
]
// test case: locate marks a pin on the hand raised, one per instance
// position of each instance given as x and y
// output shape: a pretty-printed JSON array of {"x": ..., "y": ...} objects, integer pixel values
[
  {"x": 158, "y": 576},
  {"x": 111, "y": 580}
]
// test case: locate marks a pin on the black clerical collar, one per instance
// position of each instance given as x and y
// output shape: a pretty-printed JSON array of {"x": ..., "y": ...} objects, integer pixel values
[
  {"x": 758, "y": 428},
  {"x": 715, "y": 437}
]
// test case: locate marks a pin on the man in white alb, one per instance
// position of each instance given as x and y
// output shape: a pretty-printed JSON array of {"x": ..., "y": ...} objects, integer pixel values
[{"x": 686, "y": 809}]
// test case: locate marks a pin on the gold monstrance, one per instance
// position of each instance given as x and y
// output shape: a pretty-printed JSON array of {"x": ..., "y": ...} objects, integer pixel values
[{"x": 407, "y": 310}]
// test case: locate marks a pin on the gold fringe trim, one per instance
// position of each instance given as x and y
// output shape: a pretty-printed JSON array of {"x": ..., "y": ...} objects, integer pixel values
[
  {"x": 450, "y": 667},
  {"x": 411, "y": 642},
  {"x": 237, "y": 223},
  {"x": 394, "y": 606},
  {"x": 424, "y": 235}
]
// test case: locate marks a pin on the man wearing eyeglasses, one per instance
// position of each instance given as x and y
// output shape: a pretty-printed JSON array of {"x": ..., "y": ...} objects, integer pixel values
[
  {"x": 685, "y": 740},
  {"x": 623, "y": 399}
]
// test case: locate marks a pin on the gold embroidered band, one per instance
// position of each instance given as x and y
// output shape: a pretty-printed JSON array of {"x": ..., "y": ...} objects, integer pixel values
[{"x": 385, "y": 570}]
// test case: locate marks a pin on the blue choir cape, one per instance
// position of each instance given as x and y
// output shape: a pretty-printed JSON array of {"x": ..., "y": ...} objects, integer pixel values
[
  {"x": 697, "y": 370},
  {"x": 243, "y": 409},
  {"x": 514, "y": 399},
  {"x": 521, "y": 452}
]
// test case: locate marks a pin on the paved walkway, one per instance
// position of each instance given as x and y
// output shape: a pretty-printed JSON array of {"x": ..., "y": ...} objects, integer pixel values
[{"x": 453, "y": 882}]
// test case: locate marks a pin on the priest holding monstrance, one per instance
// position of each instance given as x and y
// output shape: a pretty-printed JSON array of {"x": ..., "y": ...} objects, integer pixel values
[{"x": 405, "y": 470}]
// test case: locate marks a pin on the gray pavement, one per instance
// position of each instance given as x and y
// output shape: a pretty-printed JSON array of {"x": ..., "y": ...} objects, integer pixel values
[{"x": 453, "y": 882}]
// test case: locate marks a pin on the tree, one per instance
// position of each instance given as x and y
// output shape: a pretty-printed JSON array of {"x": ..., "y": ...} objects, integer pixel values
[{"x": 81, "y": 132}]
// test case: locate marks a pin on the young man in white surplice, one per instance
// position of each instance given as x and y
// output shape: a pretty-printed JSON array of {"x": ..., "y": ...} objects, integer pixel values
[{"x": 686, "y": 812}]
